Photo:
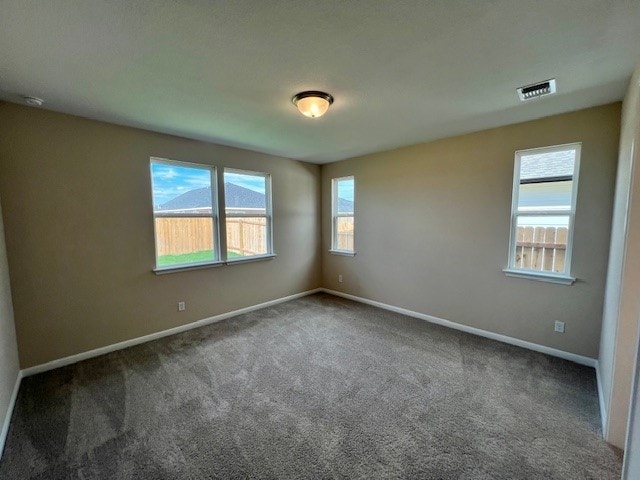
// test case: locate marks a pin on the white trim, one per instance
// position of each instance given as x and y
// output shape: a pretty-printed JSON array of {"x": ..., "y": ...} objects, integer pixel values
[
  {"x": 7, "y": 419},
  {"x": 539, "y": 276},
  {"x": 335, "y": 214},
  {"x": 63, "y": 362},
  {"x": 549, "y": 148},
  {"x": 345, "y": 253},
  {"x": 268, "y": 210},
  {"x": 214, "y": 214},
  {"x": 582, "y": 360},
  {"x": 187, "y": 267},
  {"x": 603, "y": 410},
  {"x": 631, "y": 459},
  {"x": 515, "y": 195},
  {"x": 252, "y": 258}
]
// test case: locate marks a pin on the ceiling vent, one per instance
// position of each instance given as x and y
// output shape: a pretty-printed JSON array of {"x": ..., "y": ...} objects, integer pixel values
[{"x": 536, "y": 90}]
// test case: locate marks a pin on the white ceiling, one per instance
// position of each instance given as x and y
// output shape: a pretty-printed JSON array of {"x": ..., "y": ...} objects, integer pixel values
[{"x": 401, "y": 72}]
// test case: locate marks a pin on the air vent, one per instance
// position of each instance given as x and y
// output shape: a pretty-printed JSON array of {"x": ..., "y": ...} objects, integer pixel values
[{"x": 536, "y": 90}]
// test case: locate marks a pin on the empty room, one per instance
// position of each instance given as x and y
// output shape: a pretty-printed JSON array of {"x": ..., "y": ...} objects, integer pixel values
[{"x": 319, "y": 239}]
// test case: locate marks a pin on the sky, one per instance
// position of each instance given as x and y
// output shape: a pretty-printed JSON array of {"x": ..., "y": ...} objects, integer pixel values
[
  {"x": 252, "y": 182},
  {"x": 346, "y": 189},
  {"x": 170, "y": 181}
]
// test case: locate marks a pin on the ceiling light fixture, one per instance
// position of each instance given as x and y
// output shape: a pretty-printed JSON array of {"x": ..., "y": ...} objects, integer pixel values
[{"x": 312, "y": 104}]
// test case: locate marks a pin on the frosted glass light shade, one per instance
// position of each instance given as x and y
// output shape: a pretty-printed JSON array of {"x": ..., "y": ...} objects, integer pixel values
[{"x": 313, "y": 104}]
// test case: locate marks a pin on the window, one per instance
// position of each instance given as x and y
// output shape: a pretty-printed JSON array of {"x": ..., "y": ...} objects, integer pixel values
[
  {"x": 543, "y": 211},
  {"x": 342, "y": 211},
  {"x": 185, "y": 214},
  {"x": 247, "y": 198}
]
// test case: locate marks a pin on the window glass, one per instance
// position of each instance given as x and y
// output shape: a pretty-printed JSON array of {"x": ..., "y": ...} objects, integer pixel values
[
  {"x": 551, "y": 196},
  {"x": 248, "y": 213},
  {"x": 244, "y": 193},
  {"x": 544, "y": 193},
  {"x": 548, "y": 165},
  {"x": 541, "y": 243},
  {"x": 184, "y": 214},
  {"x": 343, "y": 211},
  {"x": 345, "y": 187}
]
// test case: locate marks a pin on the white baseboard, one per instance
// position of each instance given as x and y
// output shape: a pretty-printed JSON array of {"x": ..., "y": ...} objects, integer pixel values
[
  {"x": 582, "y": 360},
  {"x": 63, "y": 362},
  {"x": 7, "y": 419},
  {"x": 603, "y": 408},
  {"x": 588, "y": 361}
]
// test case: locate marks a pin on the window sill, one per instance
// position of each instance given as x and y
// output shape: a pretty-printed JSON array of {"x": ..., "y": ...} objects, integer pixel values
[
  {"x": 185, "y": 268},
  {"x": 345, "y": 253},
  {"x": 540, "y": 276},
  {"x": 255, "y": 258}
]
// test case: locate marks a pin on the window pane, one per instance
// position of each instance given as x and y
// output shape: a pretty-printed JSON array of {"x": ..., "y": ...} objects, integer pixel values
[
  {"x": 181, "y": 240},
  {"x": 541, "y": 243},
  {"x": 245, "y": 193},
  {"x": 550, "y": 165},
  {"x": 344, "y": 233},
  {"x": 545, "y": 196},
  {"x": 180, "y": 189},
  {"x": 345, "y": 195},
  {"x": 246, "y": 236},
  {"x": 184, "y": 211}
]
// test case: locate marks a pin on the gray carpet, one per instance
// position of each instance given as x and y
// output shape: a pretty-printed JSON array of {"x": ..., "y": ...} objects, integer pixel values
[{"x": 319, "y": 387}]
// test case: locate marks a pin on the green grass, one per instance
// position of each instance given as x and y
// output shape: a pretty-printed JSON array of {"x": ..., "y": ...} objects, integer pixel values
[{"x": 195, "y": 257}]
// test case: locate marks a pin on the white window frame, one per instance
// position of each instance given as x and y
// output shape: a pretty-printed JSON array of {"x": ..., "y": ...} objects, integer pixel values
[
  {"x": 335, "y": 215},
  {"x": 268, "y": 215},
  {"x": 564, "y": 277},
  {"x": 215, "y": 217}
]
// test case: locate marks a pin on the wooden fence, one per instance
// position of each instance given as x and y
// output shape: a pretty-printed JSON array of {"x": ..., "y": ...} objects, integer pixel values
[
  {"x": 537, "y": 248},
  {"x": 344, "y": 233},
  {"x": 541, "y": 248},
  {"x": 247, "y": 236},
  {"x": 180, "y": 235}
]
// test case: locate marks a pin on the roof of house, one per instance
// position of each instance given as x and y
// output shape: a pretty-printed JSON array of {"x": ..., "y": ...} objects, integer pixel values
[
  {"x": 546, "y": 165},
  {"x": 235, "y": 197},
  {"x": 345, "y": 205},
  {"x": 198, "y": 198}
]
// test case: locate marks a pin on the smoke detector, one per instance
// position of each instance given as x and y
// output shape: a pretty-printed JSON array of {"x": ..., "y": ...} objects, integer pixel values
[
  {"x": 33, "y": 101},
  {"x": 536, "y": 90}
]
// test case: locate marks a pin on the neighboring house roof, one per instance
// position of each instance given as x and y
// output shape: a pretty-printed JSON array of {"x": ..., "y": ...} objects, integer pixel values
[
  {"x": 235, "y": 197},
  {"x": 198, "y": 198},
  {"x": 345, "y": 205},
  {"x": 545, "y": 165}
]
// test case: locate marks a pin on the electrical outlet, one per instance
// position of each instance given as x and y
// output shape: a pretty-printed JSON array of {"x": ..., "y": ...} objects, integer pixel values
[
  {"x": 339, "y": 278},
  {"x": 182, "y": 306},
  {"x": 559, "y": 327}
]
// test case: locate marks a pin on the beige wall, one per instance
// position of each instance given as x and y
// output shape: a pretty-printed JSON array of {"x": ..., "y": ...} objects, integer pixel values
[
  {"x": 9, "y": 368},
  {"x": 622, "y": 299},
  {"x": 79, "y": 231},
  {"x": 432, "y": 230}
]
